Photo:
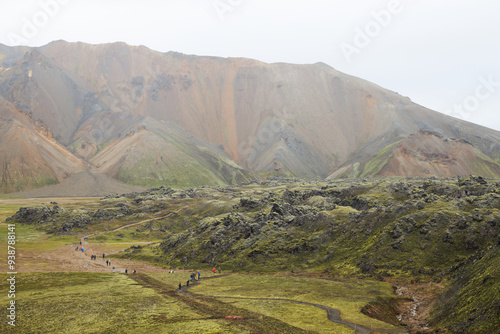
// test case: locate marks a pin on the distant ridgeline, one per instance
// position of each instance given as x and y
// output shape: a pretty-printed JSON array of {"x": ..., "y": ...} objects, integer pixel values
[
  {"x": 445, "y": 230},
  {"x": 151, "y": 119}
]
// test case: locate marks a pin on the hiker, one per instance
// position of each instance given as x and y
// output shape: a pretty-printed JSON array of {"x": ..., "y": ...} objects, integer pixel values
[
  {"x": 134, "y": 272},
  {"x": 125, "y": 271},
  {"x": 214, "y": 270},
  {"x": 113, "y": 269},
  {"x": 199, "y": 275},
  {"x": 85, "y": 238},
  {"x": 103, "y": 255},
  {"x": 180, "y": 286},
  {"x": 187, "y": 283},
  {"x": 80, "y": 242},
  {"x": 192, "y": 276},
  {"x": 83, "y": 250},
  {"x": 109, "y": 262},
  {"x": 219, "y": 270}
]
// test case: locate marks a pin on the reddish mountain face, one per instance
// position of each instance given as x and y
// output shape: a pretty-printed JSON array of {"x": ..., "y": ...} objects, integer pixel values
[{"x": 145, "y": 118}]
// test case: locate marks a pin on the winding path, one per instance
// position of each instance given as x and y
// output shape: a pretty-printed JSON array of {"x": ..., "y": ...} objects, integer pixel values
[
  {"x": 67, "y": 258},
  {"x": 332, "y": 314},
  {"x": 136, "y": 223}
]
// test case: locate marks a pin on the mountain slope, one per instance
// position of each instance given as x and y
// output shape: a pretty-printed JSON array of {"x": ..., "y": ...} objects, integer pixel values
[
  {"x": 158, "y": 153},
  {"x": 293, "y": 120},
  {"x": 30, "y": 156},
  {"x": 424, "y": 154},
  {"x": 82, "y": 184}
]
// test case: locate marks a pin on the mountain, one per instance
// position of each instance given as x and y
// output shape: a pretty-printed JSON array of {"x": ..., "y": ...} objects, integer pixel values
[
  {"x": 148, "y": 119},
  {"x": 30, "y": 156}
]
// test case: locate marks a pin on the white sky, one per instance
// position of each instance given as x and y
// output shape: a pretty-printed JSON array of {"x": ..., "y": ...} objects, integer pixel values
[{"x": 443, "y": 54}]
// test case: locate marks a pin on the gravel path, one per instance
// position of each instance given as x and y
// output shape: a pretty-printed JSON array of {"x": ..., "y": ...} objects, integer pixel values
[{"x": 332, "y": 314}]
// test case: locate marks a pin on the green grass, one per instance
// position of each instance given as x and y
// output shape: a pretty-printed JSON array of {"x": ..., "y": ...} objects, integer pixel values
[
  {"x": 373, "y": 228},
  {"x": 7, "y": 209},
  {"x": 248, "y": 322},
  {"x": 301, "y": 316},
  {"x": 99, "y": 303},
  {"x": 309, "y": 318},
  {"x": 346, "y": 295},
  {"x": 28, "y": 238},
  {"x": 29, "y": 242}
]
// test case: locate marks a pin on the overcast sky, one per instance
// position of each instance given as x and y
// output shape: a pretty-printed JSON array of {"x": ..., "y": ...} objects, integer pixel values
[{"x": 443, "y": 54}]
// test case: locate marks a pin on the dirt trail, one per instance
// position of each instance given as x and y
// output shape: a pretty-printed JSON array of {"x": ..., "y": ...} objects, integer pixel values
[
  {"x": 67, "y": 258},
  {"x": 137, "y": 223},
  {"x": 71, "y": 258},
  {"x": 332, "y": 314}
]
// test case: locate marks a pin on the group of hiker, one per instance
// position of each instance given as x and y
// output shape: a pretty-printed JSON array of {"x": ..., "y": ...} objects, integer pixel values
[
  {"x": 195, "y": 277},
  {"x": 94, "y": 257}
]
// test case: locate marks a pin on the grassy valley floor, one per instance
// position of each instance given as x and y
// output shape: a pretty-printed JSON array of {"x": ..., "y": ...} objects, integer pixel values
[{"x": 391, "y": 255}]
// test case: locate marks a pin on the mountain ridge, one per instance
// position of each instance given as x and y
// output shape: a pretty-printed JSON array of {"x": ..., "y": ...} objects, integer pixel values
[{"x": 306, "y": 120}]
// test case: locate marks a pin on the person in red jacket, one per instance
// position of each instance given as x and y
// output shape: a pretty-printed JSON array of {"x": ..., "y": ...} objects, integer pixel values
[{"x": 214, "y": 270}]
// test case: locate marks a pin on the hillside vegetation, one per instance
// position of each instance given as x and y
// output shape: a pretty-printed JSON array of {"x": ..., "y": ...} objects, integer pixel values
[{"x": 436, "y": 230}]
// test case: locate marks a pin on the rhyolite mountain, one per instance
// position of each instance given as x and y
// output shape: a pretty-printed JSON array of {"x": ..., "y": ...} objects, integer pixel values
[{"x": 147, "y": 118}]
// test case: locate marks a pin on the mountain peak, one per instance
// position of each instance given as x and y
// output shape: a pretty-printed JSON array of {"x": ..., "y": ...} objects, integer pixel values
[{"x": 218, "y": 114}]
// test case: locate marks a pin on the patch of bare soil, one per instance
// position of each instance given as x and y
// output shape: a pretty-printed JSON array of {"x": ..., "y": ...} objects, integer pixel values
[
  {"x": 70, "y": 259},
  {"x": 415, "y": 313}
]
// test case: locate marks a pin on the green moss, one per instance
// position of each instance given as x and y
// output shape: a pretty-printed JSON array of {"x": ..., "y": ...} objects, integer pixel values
[
  {"x": 62, "y": 303},
  {"x": 481, "y": 166},
  {"x": 472, "y": 304},
  {"x": 184, "y": 173},
  {"x": 20, "y": 183},
  {"x": 378, "y": 162},
  {"x": 430, "y": 229}
]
